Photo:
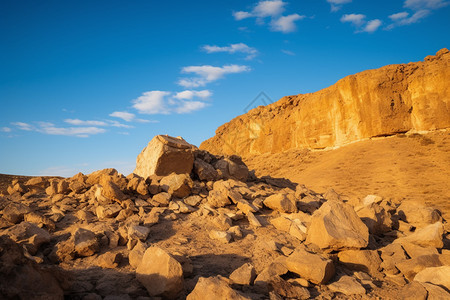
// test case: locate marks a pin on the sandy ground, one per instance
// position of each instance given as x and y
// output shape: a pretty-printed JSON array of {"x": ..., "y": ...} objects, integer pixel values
[{"x": 402, "y": 167}]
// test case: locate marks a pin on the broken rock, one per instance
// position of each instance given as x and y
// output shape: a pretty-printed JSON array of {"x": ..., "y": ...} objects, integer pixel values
[
  {"x": 312, "y": 267},
  {"x": 160, "y": 273},
  {"x": 214, "y": 288}
]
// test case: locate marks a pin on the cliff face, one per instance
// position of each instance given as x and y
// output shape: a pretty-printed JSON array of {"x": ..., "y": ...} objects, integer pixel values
[{"x": 385, "y": 101}]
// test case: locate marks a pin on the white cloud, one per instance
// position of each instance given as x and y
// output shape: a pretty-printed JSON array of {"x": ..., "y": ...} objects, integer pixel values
[
  {"x": 399, "y": 16},
  {"x": 152, "y": 102},
  {"x": 126, "y": 116},
  {"x": 272, "y": 9},
  {"x": 233, "y": 48},
  {"x": 185, "y": 107},
  {"x": 23, "y": 126},
  {"x": 269, "y": 8},
  {"x": 337, "y": 4},
  {"x": 372, "y": 25},
  {"x": 79, "y": 122},
  {"x": 285, "y": 24},
  {"x": 207, "y": 74},
  {"x": 425, "y": 4},
  {"x": 5, "y": 129},
  {"x": 162, "y": 102},
  {"x": 355, "y": 19},
  {"x": 189, "y": 94},
  {"x": 240, "y": 15},
  {"x": 119, "y": 125}
]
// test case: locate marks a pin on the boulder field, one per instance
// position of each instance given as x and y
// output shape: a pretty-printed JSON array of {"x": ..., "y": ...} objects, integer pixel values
[
  {"x": 192, "y": 225},
  {"x": 381, "y": 102}
]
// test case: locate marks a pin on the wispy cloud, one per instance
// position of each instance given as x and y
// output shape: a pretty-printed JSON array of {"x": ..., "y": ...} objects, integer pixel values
[
  {"x": 126, "y": 116},
  {"x": 287, "y": 52},
  {"x": 337, "y": 4},
  {"x": 79, "y": 122},
  {"x": 164, "y": 102},
  {"x": 359, "y": 21},
  {"x": 5, "y": 129},
  {"x": 233, "y": 48},
  {"x": 425, "y": 4},
  {"x": 23, "y": 126},
  {"x": 206, "y": 74},
  {"x": 272, "y": 9}
]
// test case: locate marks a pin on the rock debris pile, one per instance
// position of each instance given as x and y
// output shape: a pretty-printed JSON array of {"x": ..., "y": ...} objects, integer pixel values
[{"x": 188, "y": 224}]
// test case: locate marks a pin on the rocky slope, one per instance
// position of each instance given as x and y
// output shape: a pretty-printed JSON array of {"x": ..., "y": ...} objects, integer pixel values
[
  {"x": 381, "y": 102},
  {"x": 215, "y": 232}
]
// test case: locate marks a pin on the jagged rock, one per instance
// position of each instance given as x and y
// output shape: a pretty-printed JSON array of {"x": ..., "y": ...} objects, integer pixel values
[
  {"x": 222, "y": 236},
  {"x": 63, "y": 187},
  {"x": 29, "y": 235},
  {"x": 137, "y": 232},
  {"x": 411, "y": 267},
  {"x": 109, "y": 260},
  {"x": 281, "y": 223},
  {"x": 286, "y": 289},
  {"x": 418, "y": 214},
  {"x": 218, "y": 199},
  {"x": 164, "y": 155},
  {"x": 436, "y": 275},
  {"x": 347, "y": 285},
  {"x": 160, "y": 273},
  {"x": 413, "y": 291},
  {"x": 108, "y": 211},
  {"x": 39, "y": 220},
  {"x": 371, "y": 103},
  {"x": 20, "y": 278},
  {"x": 94, "y": 177},
  {"x": 177, "y": 185},
  {"x": 375, "y": 217},
  {"x": 336, "y": 226},
  {"x": 281, "y": 202},
  {"x": 253, "y": 220},
  {"x": 244, "y": 275},
  {"x": 14, "y": 212},
  {"x": 312, "y": 267},
  {"x": 222, "y": 222},
  {"x": 193, "y": 200},
  {"x": 162, "y": 199},
  {"x": 276, "y": 268},
  {"x": 17, "y": 188},
  {"x": 85, "y": 242},
  {"x": 37, "y": 182},
  {"x": 136, "y": 254},
  {"x": 214, "y": 288},
  {"x": 111, "y": 190},
  {"x": 205, "y": 171},
  {"x": 361, "y": 260},
  {"x": 369, "y": 199},
  {"x": 429, "y": 236},
  {"x": 392, "y": 254}
]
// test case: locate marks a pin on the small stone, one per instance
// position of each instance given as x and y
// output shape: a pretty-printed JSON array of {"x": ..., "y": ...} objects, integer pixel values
[
  {"x": 14, "y": 212},
  {"x": 222, "y": 222},
  {"x": 162, "y": 198},
  {"x": 361, "y": 260},
  {"x": 109, "y": 260},
  {"x": 193, "y": 200},
  {"x": 137, "y": 232},
  {"x": 252, "y": 220},
  {"x": 136, "y": 254},
  {"x": 244, "y": 275},
  {"x": 177, "y": 185},
  {"x": 347, "y": 285},
  {"x": 214, "y": 288},
  {"x": 281, "y": 203},
  {"x": 108, "y": 211},
  {"x": 222, "y": 236}
]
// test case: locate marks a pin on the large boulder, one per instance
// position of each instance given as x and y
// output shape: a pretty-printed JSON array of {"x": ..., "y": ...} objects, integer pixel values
[
  {"x": 418, "y": 214},
  {"x": 428, "y": 236},
  {"x": 160, "y": 273},
  {"x": 435, "y": 275},
  {"x": 336, "y": 226},
  {"x": 164, "y": 155}
]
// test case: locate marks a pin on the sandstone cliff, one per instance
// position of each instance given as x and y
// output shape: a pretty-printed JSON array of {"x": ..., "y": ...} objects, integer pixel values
[{"x": 381, "y": 102}]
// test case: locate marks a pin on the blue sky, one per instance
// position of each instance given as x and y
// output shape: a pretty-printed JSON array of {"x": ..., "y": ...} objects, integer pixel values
[{"x": 85, "y": 85}]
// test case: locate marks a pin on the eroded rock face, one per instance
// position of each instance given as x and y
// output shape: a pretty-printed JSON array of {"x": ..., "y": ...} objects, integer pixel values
[
  {"x": 392, "y": 99},
  {"x": 164, "y": 155}
]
